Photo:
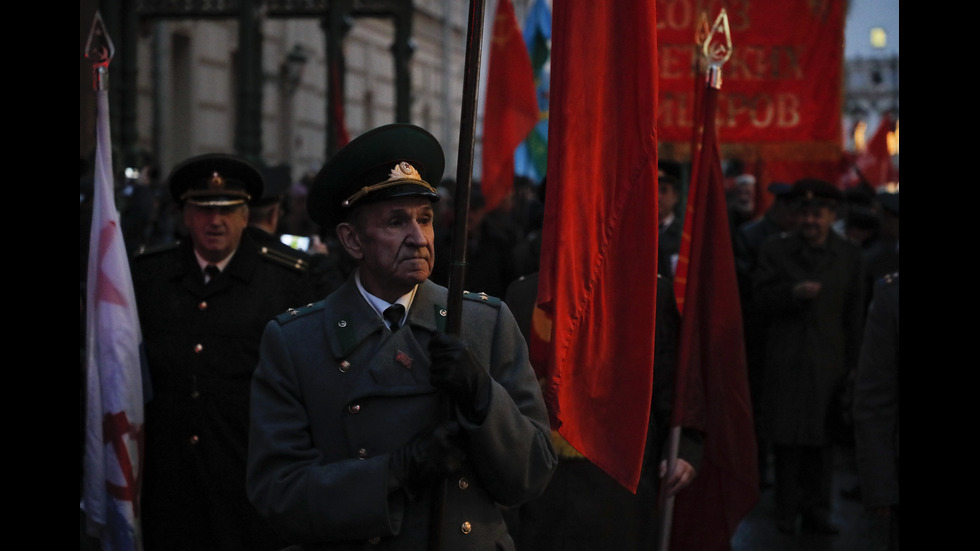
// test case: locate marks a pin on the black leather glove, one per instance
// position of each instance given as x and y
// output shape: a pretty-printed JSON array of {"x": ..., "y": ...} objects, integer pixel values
[
  {"x": 427, "y": 457},
  {"x": 455, "y": 370}
]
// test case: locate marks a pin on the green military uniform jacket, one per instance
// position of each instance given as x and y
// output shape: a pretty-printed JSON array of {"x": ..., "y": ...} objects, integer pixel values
[{"x": 336, "y": 392}]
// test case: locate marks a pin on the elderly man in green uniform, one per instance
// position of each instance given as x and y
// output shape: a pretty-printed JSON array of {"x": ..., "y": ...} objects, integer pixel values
[
  {"x": 808, "y": 286},
  {"x": 203, "y": 304},
  {"x": 358, "y": 415}
]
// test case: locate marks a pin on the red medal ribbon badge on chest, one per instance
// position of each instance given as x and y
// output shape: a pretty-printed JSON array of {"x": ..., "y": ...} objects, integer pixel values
[{"x": 403, "y": 359}]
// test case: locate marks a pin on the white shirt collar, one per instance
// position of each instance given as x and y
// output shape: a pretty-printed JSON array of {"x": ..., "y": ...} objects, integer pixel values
[
  {"x": 380, "y": 305},
  {"x": 221, "y": 265}
]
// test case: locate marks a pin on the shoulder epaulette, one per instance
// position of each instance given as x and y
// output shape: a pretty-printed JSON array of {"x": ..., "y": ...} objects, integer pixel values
[
  {"x": 889, "y": 279},
  {"x": 296, "y": 313},
  {"x": 482, "y": 297},
  {"x": 284, "y": 259},
  {"x": 145, "y": 252}
]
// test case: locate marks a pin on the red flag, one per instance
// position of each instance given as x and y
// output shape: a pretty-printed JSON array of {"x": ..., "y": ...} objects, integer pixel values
[
  {"x": 512, "y": 104},
  {"x": 712, "y": 393},
  {"x": 876, "y": 163},
  {"x": 599, "y": 251},
  {"x": 339, "y": 129}
]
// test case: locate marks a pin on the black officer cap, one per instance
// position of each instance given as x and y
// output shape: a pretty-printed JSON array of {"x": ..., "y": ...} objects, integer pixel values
[
  {"x": 889, "y": 202},
  {"x": 862, "y": 217},
  {"x": 277, "y": 183},
  {"x": 215, "y": 180},
  {"x": 669, "y": 168},
  {"x": 396, "y": 160},
  {"x": 814, "y": 192},
  {"x": 780, "y": 189}
]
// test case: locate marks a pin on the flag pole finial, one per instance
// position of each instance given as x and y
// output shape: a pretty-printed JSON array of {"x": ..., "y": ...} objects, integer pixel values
[
  {"x": 99, "y": 50},
  {"x": 717, "y": 48}
]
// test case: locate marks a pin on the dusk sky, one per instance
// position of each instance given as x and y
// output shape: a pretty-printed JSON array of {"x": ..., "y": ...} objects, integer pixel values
[{"x": 865, "y": 14}]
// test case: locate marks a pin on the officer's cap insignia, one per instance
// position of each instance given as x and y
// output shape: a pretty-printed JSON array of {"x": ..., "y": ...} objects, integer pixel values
[{"x": 217, "y": 182}]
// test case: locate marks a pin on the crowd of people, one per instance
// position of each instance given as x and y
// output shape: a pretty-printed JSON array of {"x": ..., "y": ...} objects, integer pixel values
[
  {"x": 342, "y": 417},
  {"x": 807, "y": 271}
]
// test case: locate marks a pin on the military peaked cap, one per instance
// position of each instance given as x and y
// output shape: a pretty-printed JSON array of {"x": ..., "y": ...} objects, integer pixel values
[
  {"x": 780, "y": 189},
  {"x": 277, "y": 182},
  {"x": 396, "y": 160},
  {"x": 215, "y": 180},
  {"x": 889, "y": 201},
  {"x": 819, "y": 192}
]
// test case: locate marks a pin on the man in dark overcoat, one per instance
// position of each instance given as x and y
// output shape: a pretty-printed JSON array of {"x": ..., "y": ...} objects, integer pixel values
[
  {"x": 371, "y": 427},
  {"x": 876, "y": 413},
  {"x": 779, "y": 218},
  {"x": 808, "y": 285},
  {"x": 203, "y": 304}
]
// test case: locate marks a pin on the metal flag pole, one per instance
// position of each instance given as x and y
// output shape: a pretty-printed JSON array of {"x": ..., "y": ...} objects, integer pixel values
[
  {"x": 716, "y": 49},
  {"x": 464, "y": 177},
  {"x": 464, "y": 166},
  {"x": 701, "y": 34}
]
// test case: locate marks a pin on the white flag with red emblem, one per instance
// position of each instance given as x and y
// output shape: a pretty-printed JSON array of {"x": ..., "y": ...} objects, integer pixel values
[{"x": 114, "y": 387}]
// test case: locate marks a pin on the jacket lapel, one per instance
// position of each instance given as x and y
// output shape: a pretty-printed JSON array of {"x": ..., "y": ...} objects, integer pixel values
[{"x": 389, "y": 363}]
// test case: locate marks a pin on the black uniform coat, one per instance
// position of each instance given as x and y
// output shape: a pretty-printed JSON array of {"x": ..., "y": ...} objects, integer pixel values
[
  {"x": 336, "y": 392},
  {"x": 324, "y": 273},
  {"x": 810, "y": 343},
  {"x": 876, "y": 392},
  {"x": 202, "y": 345}
]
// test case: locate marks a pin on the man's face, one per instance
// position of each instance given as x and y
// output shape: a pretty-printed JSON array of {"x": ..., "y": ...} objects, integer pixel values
[
  {"x": 667, "y": 200},
  {"x": 393, "y": 242},
  {"x": 745, "y": 197},
  {"x": 815, "y": 223},
  {"x": 215, "y": 231}
]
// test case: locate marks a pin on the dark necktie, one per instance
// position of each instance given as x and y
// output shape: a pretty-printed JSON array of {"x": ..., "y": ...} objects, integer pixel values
[
  {"x": 210, "y": 272},
  {"x": 393, "y": 315}
]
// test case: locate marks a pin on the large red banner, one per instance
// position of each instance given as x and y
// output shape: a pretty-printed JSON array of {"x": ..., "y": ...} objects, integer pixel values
[{"x": 782, "y": 83}]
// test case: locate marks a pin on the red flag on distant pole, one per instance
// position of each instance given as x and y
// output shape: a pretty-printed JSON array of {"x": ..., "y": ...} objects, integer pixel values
[
  {"x": 599, "y": 252},
  {"x": 712, "y": 393},
  {"x": 876, "y": 163},
  {"x": 339, "y": 123},
  {"x": 511, "y": 105},
  {"x": 114, "y": 384}
]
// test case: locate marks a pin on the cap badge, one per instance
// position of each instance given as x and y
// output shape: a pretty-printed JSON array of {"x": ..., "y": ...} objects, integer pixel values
[
  {"x": 216, "y": 182},
  {"x": 404, "y": 170},
  {"x": 399, "y": 173}
]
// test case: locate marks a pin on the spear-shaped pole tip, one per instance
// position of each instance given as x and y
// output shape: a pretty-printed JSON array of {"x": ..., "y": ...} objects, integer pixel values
[
  {"x": 99, "y": 50},
  {"x": 717, "y": 48}
]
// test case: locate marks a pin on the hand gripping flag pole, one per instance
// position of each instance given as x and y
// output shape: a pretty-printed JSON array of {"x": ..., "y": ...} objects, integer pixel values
[{"x": 464, "y": 177}]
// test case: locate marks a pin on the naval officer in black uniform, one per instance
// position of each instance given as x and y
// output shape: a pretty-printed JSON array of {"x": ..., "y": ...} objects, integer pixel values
[
  {"x": 351, "y": 433},
  {"x": 203, "y": 304}
]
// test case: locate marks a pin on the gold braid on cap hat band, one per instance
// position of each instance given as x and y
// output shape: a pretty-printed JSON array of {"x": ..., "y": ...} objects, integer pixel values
[
  {"x": 403, "y": 173},
  {"x": 217, "y": 193},
  {"x": 217, "y": 202}
]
